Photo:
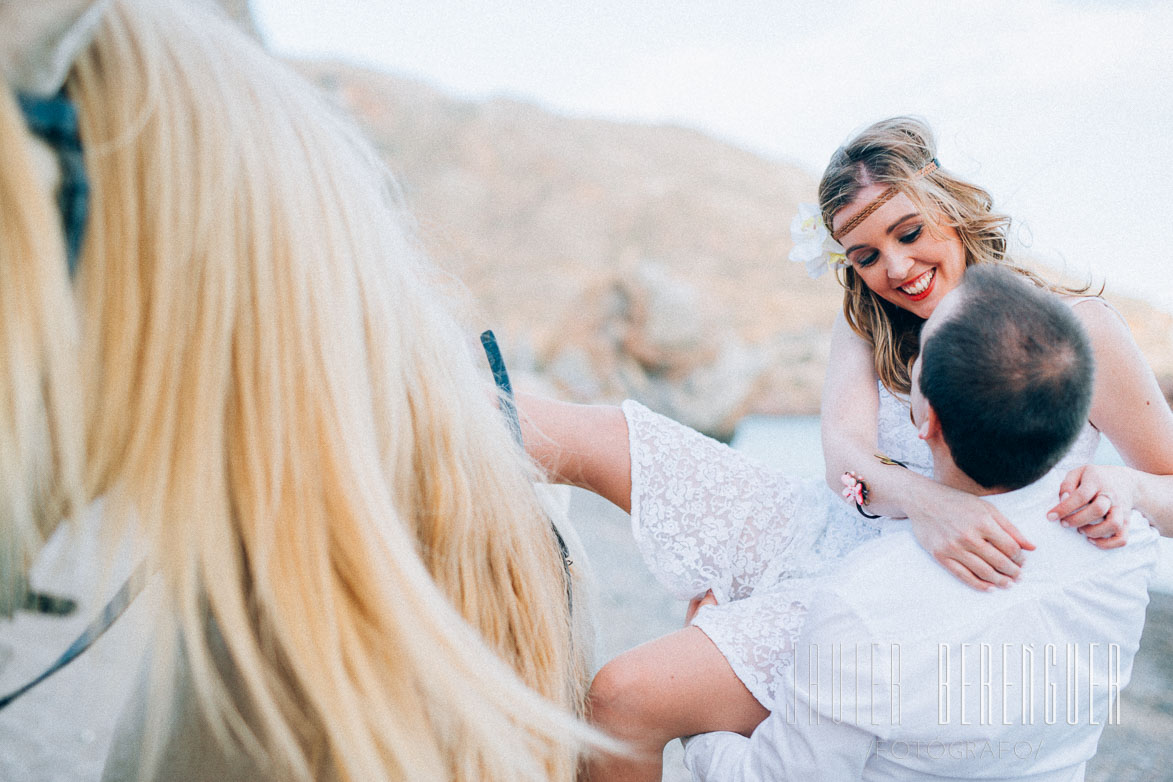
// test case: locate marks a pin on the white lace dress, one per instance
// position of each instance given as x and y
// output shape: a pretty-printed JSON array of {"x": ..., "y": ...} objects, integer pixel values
[{"x": 706, "y": 517}]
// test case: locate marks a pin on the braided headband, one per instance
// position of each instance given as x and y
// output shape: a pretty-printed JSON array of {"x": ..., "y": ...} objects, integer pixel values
[{"x": 879, "y": 201}]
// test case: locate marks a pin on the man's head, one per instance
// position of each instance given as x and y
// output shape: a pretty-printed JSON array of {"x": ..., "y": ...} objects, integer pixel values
[{"x": 1004, "y": 378}]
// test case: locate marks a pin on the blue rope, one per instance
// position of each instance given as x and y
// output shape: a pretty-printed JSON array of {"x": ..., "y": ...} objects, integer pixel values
[
  {"x": 509, "y": 410},
  {"x": 501, "y": 378},
  {"x": 54, "y": 121}
]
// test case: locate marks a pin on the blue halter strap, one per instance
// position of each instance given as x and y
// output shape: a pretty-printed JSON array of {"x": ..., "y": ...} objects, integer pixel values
[
  {"x": 114, "y": 609},
  {"x": 54, "y": 121}
]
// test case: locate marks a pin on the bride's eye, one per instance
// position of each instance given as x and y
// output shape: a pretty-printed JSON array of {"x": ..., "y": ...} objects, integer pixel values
[
  {"x": 864, "y": 260},
  {"x": 911, "y": 236}
]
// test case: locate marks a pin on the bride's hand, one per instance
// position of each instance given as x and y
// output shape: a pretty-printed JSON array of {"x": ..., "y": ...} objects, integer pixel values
[
  {"x": 1097, "y": 500},
  {"x": 694, "y": 605},
  {"x": 970, "y": 538}
]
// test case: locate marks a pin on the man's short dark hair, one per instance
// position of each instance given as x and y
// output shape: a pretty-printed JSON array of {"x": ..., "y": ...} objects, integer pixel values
[{"x": 1009, "y": 374}]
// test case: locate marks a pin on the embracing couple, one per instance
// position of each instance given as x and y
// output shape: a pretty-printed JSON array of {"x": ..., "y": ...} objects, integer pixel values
[{"x": 967, "y": 600}]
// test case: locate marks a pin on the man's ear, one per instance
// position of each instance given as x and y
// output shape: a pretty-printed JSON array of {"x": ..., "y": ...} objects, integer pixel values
[{"x": 930, "y": 428}]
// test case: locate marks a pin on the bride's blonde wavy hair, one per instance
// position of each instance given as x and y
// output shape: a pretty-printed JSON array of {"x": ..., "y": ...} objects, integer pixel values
[
  {"x": 252, "y": 364},
  {"x": 892, "y": 152}
]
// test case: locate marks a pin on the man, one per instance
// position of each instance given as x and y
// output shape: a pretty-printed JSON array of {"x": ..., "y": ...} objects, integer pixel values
[{"x": 905, "y": 673}]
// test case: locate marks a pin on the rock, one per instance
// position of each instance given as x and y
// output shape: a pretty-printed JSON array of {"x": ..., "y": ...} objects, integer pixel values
[
  {"x": 653, "y": 336},
  {"x": 572, "y": 372},
  {"x": 664, "y": 323}
]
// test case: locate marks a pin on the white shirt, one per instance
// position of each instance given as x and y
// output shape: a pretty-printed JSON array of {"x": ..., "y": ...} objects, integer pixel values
[{"x": 878, "y": 685}]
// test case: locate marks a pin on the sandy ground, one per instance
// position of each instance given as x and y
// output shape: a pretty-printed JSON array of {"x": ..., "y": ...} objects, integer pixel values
[{"x": 61, "y": 731}]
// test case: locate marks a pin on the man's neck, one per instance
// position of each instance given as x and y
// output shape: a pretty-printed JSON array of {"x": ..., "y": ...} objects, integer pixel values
[{"x": 947, "y": 473}]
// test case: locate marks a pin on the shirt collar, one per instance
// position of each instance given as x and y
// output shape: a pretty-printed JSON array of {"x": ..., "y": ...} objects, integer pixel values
[{"x": 1043, "y": 491}]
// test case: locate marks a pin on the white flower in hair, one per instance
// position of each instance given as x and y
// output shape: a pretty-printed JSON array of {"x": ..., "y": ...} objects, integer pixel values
[{"x": 813, "y": 244}]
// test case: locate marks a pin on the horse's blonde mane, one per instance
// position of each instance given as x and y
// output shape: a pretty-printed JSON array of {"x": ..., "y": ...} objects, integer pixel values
[{"x": 267, "y": 385}]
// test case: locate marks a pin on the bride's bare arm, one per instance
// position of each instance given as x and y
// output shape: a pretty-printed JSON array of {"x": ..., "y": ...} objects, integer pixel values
[
  {"x": 1127, "y": 406},
  {"x": 850, "y": 408},
  {"x": 967, "y": 535},
  {"x": 582, "y": 445}
]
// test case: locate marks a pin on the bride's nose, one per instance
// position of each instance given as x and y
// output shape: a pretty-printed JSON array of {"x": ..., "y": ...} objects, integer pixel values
[{"x": 898, "y": 265}]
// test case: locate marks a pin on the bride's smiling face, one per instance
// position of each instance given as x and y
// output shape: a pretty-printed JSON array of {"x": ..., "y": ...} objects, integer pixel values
[{"x": 897, "y": 255}]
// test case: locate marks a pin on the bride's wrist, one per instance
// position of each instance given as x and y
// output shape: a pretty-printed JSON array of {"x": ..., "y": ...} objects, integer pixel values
[{"x": 916, "y": 496}]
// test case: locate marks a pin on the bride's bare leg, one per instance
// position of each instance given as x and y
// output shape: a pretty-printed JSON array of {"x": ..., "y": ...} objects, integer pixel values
[{"x": 677, "y": 685}]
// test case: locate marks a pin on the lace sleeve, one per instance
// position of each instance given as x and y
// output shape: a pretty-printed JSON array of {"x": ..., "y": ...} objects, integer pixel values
[{"x": 705, "y": 516}]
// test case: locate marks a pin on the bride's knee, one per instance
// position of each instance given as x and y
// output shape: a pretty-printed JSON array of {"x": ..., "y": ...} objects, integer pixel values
[{"x": 621, "y": 703}]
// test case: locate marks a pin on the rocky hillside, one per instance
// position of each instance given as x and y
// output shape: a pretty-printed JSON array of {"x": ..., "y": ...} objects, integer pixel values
[{"x": 618, "y": 259}]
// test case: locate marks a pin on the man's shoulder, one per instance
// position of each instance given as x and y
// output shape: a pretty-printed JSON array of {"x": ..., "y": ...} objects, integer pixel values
[
  {"x": 893, "y": 588},
  {"x": 890, "y": 589}
]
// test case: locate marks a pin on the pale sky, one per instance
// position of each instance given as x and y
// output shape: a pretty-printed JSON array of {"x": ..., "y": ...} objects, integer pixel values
[{"x": 1063, "y": 109}]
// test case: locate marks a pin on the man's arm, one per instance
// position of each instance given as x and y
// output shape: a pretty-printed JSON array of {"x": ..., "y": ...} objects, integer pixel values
[{"x": 781, "y": 750}]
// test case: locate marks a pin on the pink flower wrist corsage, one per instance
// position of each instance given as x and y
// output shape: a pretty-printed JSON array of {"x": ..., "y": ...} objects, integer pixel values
[{"x": 855, "y": 489}]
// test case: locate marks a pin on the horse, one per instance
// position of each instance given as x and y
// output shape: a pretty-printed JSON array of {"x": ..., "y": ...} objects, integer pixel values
[{"x": 216, "y": 320}]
